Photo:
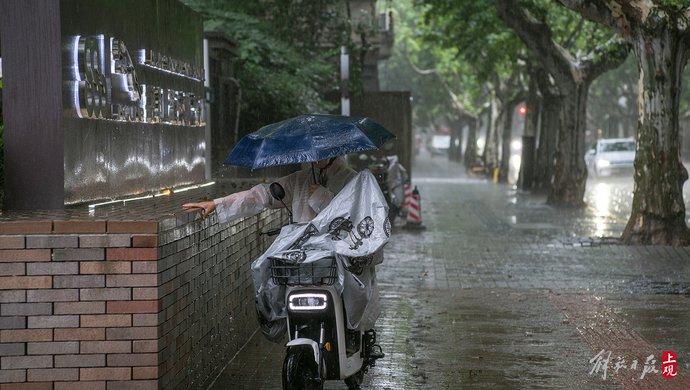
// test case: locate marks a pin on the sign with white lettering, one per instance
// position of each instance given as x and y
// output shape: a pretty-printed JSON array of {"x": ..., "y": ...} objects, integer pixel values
[
  {"x": 102, "y": 99},
  {"x": 132, "y": 97},
  {"x": 101, "y": 83}
]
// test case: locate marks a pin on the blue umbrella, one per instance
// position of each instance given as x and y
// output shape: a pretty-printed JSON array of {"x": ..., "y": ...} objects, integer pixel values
[{"x": 307, "y": 138}]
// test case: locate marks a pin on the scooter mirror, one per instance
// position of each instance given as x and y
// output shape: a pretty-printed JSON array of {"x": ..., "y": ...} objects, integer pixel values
[{"x": 277, "y": 191}]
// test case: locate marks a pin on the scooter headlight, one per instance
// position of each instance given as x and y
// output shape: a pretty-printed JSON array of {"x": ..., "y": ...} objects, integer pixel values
[{"x": 307, "y": 302}]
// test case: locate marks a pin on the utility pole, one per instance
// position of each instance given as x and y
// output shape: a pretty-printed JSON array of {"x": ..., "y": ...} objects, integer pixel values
[
  {"x": 207, "y": 111},
  {"x": 344, "y": 81}
]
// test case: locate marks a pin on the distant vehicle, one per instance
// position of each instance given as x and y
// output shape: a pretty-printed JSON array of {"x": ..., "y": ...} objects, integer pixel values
[
  {"x": 440, "y": 144},
  {"x": 611, "y": 156}
]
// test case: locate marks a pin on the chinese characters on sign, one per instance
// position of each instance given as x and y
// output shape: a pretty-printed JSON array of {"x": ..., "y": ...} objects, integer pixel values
[
  {"x": 600, "y": 365},
  {"x": 101, "y": 83}
]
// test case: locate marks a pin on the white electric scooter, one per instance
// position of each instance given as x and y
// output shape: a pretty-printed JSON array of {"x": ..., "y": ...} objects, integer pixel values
[{"x": 320, "y": 346}]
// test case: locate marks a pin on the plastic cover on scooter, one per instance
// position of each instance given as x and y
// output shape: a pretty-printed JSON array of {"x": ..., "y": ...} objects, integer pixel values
[
  {"x": 353, "y": 229},
  {"x": 397, "y": 176}
]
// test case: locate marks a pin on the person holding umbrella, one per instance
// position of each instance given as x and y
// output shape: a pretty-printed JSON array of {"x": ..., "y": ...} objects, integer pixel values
[
  {"x": 352, "y": 232},
  {"x": 305, "y": 196},
  {"x": 319, "y": 142}
]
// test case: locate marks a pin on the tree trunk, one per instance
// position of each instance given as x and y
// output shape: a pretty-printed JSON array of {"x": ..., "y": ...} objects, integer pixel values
[
  {"x": 455, "y": 150},
  {"x": 506, "y": 138},
  {"x": 527, "y": 171},
  {"x": 470, "y": 155},
  {"x": 570, "y": 173},
  {"x": 658, "y": 210},
  {"x": 572, "y": 76},
  {"x": 452, "y": 156},
  {"x": 460, "y": 132},
  {"x": 551, "y": 109},
  {"x": 490, "y": 155}
]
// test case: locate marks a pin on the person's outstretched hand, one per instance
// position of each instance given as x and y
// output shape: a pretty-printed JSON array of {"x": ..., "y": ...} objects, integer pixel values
[{"x": 205, "y": 208}]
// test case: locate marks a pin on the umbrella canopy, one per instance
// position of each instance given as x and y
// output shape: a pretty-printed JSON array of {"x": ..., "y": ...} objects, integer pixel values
[{"x": 307, "y": 138}]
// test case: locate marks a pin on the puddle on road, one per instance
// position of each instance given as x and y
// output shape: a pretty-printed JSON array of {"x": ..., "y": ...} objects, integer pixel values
[{"x": 484, "y": 338}]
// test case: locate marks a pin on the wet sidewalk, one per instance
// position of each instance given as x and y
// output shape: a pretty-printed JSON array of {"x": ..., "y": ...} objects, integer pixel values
[{"x": 502, "y": 291}]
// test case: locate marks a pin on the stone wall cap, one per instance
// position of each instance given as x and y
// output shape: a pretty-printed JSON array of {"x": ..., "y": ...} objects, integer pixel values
[{"x": 135, "y": 216}]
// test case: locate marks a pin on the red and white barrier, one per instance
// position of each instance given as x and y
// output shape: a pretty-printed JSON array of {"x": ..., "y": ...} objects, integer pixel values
[
  {"x": 414, "y": 211},
  {"x": 408, "y": 196}
]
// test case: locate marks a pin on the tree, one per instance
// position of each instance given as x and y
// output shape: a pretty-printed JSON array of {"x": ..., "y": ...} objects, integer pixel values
[
  {"x": 658, "y": 31},
  {"x": 444, "y": 88},
  {"x": 550, "y": 109},
  {"x": 489, "y": 49},
  {"x": 282, "y": 68},
  {"x": 613, "y": 102},
  {"x": 573, "y": 76},
  {"x": 535, "y": 170},
  {"x": 490, "y": 35},
  {"x": 412, "y": 66}
]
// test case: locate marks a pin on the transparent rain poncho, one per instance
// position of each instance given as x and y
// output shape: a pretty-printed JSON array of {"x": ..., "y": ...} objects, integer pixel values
[
  {"x": 397, "y": 176},
  {"x": 304, "y": 205},
  {"x": 320, "y": 231},
  {"x": 352, "y": 229}
]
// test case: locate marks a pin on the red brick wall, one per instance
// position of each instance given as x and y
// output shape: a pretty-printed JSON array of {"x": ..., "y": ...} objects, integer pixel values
[
  {"x": 207, "y": 294},
  {"x": 79, "y": 304},
  {"x": 126, "y": 304}
]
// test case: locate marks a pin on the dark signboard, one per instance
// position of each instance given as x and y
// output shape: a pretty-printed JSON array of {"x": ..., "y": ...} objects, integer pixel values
[{"x": 129, "y": 95}]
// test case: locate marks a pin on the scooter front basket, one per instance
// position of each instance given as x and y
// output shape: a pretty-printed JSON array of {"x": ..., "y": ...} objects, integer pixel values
[{"x": 316, "y": 273}]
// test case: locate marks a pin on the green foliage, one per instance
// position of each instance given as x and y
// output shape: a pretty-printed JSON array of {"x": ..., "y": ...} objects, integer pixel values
[
  {"x": 612, "y": 101},
  {"x": 673, "y": 5},
  {"x": 432, "y": 104},
  {"x": 570, "y": 30},
  {"x": 474, "y": 31},
  {"x": 492, "y": 51},
  {"x": 431, "y": 72},
  {"x": 282, "y": 68}
]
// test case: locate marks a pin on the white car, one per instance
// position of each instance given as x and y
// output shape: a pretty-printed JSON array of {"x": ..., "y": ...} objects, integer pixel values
[
  {"x": 611, "y": 156},
  {"x": 440, "y": 143}
]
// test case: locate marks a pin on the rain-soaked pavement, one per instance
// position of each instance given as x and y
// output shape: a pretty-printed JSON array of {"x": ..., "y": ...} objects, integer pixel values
[{"x": 502, "y": 291}]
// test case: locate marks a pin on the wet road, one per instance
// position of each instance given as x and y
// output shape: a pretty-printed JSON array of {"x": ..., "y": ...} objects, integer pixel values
[
  {"x": 609, "y": 200},
  {"x": 502, "y": 291}
]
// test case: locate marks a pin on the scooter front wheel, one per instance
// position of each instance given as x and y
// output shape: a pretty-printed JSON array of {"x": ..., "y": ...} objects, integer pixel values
[{"x": 300, "y": 371}]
